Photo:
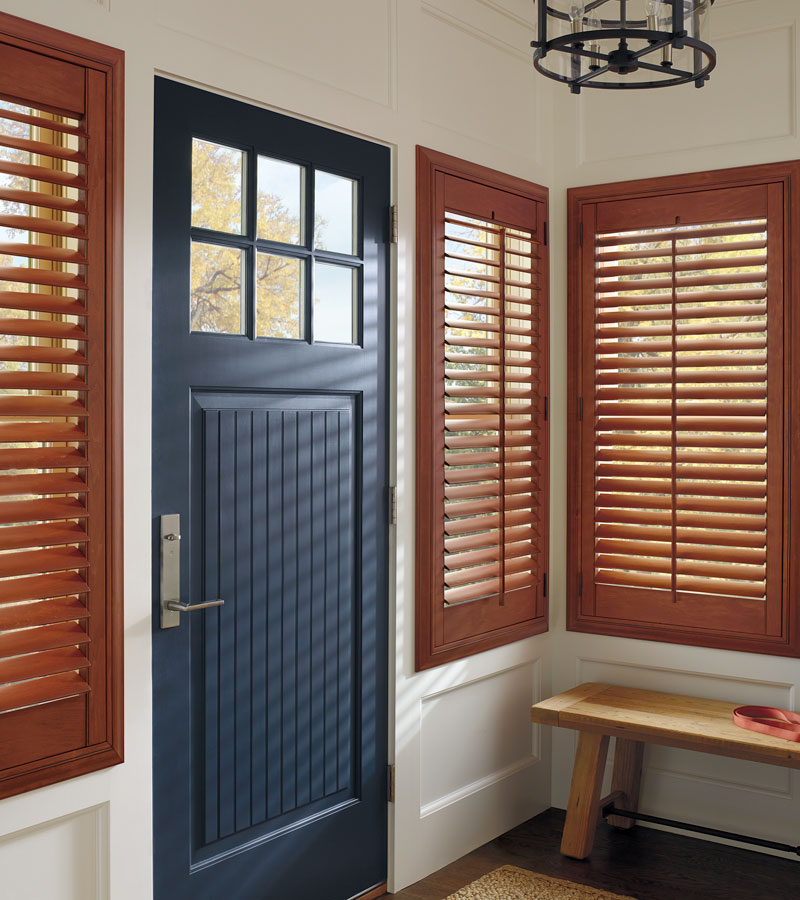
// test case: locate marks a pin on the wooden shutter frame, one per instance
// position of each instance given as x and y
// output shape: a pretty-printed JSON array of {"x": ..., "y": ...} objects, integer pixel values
[
  {"x": 104, "y": 743},
  {"x": 430, "y": 651},
  {"x": 580, "y": 268}
]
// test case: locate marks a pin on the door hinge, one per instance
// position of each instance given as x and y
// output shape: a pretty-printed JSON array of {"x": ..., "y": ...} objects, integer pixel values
[
  {"x": 390, "y": 779},
  {"x": 393, "y": 224},
  {"x": 393, "y": 504},
  {"x": 580, "y": 234},
  {"x": 546, "y": 407},
  {"x": 545, "y": 234},
  {"x": 580, "y": 584},
  {"x": 580, "y": 409},
  {"x": 544, "y": 586}
]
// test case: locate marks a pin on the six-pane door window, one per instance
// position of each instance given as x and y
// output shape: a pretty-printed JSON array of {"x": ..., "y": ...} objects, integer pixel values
[{"x": 275, "y": 247}]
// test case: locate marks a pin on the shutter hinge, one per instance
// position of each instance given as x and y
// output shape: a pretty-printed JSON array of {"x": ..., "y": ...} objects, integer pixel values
[
  {"x": 392, "y": 504},
  {"x": 544, "y": 585},
  {"x": 546, "y": 407},
  {"x": 580, "y": 584},
  {"x": 580, "y": 409},
  {"x": 393, "y": 224},
  {"x": 580, "y": 234},
  {"x": 390, "y": 780},
  {"x": 545, "y": 234}
]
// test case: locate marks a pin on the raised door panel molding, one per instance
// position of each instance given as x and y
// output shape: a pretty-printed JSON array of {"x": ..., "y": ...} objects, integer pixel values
[
  {"x": 476, "y": 734},
  {"x": 288, "y": 678},
  {"x": 614, "y": 125},
  {"x": 663, "y": 762},
  {"x": 74, "y": 850},
  {"x": 348, "y": 45}
]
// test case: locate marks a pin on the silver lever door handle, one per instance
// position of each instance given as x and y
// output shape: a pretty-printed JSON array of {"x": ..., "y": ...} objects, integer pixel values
[
  {"x": 171, "y": 606},
  {"x": 191, "y": 607}
]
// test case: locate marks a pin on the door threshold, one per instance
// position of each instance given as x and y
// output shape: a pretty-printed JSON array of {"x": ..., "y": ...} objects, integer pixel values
[{"x": 372, "y": 893}]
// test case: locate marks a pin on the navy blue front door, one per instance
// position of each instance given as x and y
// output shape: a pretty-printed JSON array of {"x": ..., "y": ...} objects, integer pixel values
[{"x": 270, "y": 443}]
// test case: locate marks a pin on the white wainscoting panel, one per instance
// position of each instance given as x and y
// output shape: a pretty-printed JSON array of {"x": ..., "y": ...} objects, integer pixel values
[
  {"x": 741, "y": 104},
  {"x": 349, "y": 45},
  {"x": 491, "y": 717},
  {"x": 66, "y": 858}
]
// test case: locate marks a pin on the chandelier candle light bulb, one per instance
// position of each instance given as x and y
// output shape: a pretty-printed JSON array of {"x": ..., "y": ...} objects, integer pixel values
[
  {"x": 593, "y": 24},
  {"x": 576, "y": 13}
]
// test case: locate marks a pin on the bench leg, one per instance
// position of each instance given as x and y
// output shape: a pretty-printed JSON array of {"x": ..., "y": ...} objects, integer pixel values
[
  {"x": 584, "y": 795},
  {"x": 628, "y": 756}
]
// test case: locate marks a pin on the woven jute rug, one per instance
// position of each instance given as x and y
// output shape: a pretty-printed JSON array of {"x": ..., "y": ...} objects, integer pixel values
[{"x": 511, "y": 883}]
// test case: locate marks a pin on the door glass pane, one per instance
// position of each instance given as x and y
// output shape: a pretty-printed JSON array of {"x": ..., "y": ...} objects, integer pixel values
[
  {"x": 279, "y": 297},
  {"x": 335, "y": 216},
  {"x": 334, "y": 303},
  {"x": 281, "y": 186},
  {"x": 217, "y": 278},
  {"x": 217, "y": 179}
]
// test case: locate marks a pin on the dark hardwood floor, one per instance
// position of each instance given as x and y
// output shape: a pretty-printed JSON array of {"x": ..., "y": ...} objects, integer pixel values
[{"x": 641, "y": 863}]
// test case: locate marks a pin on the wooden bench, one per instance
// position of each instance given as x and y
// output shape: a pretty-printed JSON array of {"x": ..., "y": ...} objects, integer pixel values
[{"x": 634, "y": 718}]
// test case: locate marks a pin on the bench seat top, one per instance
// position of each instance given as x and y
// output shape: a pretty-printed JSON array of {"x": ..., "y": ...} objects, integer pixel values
[{"x": 672, "y": 720}]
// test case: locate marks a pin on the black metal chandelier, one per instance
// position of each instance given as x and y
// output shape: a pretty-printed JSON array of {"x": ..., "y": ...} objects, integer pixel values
[{"x": 620, "y": 44}]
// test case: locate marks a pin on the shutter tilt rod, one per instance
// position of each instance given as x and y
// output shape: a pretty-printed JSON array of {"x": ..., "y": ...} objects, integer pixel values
[{"x": 611, "y": 810}]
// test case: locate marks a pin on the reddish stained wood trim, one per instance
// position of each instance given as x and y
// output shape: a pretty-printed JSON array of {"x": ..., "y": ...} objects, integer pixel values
[
  {"x": 105, "y": 68},
  {"x": 783, "y": 629},
  {"x": 432, "y": 646},
  {"x": 373, "y": 893}
]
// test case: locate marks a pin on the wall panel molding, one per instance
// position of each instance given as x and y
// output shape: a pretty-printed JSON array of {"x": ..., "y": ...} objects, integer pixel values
[
  {"x": 75, "y": 849},
  {"x": 437, "y": 12},
  {"x": 476, "y": 786},
  {"x": 787, "y": 129},
  {"x": 503, "y": 10},
  {"x": 510, "y": 728},
  {"x": 172, "y": 16},
  {"x": 450, "y": 106}
]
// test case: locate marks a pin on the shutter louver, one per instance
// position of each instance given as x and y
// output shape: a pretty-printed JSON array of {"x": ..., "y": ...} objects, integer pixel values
[
  {"x": 59, "y": 178},
  {"x": 482, "y": 434},
  {"x": 492, "y": 440},
  {"x": 682, "y": 442},
  {"x": 44, "y": 454},
  {"x": 711, "y": 397}
]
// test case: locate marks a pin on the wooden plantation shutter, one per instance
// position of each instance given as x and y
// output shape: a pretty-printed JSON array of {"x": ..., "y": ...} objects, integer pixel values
[
  {"x": 60, "y": 617},
  {"x": 481, "y": 430},
  {"x": 678, "y": 495}
]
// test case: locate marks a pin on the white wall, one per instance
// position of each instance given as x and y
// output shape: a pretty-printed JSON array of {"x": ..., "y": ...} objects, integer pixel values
[
  {"x": 746, "y": 114},
  {"x": 450, "y": 74}
]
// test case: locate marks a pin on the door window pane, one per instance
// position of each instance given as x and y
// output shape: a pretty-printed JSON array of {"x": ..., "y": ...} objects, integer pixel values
[
  {"x": 279, "y": 297},
  {"x": 334, "y": 303},
  {"x": 281, "y": 186},
  {"x": 217, "y": 179},
  {"x": 335, "y": 216},
  {"x": 217, "y": 278}
]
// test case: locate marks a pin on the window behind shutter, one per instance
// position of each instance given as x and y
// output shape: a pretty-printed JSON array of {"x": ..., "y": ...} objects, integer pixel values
[
  {"x": 59, "y": 585},
  {"x": 679, "y": 474},
  {"x": 482, "y": 436}
]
